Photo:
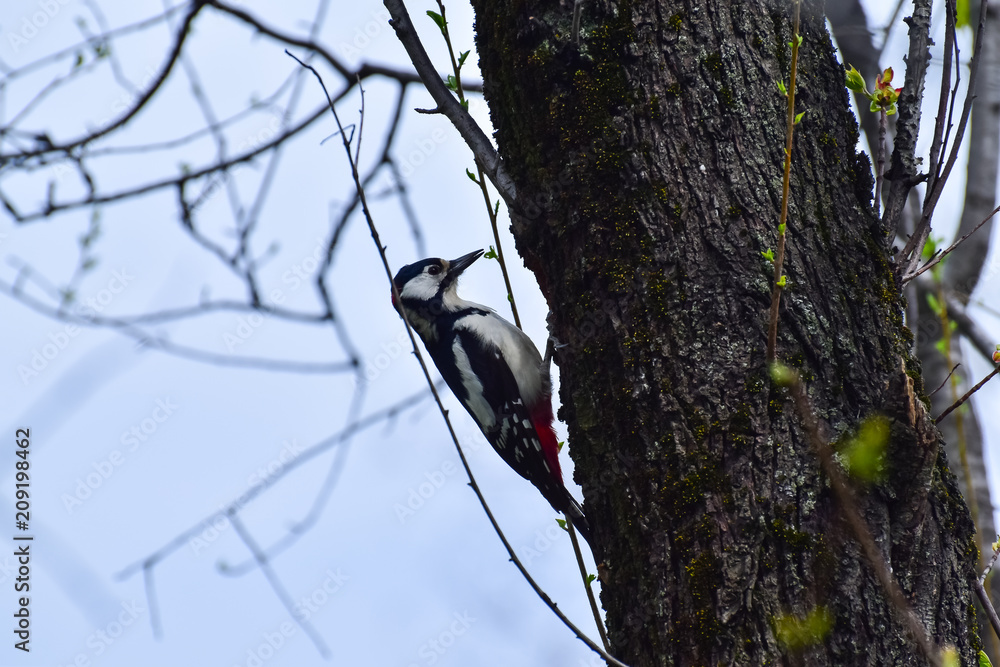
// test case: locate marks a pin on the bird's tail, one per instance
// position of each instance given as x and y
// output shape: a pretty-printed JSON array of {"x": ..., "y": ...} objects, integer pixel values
[{"x": 575, "y": 514}]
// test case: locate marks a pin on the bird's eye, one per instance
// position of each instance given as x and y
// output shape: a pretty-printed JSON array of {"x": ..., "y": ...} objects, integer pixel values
[{"x": 433, "y": 269}]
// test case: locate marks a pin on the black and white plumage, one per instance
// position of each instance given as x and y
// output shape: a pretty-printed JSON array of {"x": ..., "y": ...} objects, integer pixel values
[{"x": 494, "y": 370}]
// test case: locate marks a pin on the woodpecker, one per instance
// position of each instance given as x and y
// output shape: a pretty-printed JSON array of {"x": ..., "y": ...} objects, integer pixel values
[{"x": 493, "y": 369}]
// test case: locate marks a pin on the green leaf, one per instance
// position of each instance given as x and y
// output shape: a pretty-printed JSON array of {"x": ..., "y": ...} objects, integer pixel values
[
  {"x": 559, "y": 446},
  {"x": 984, "y": 660},
  {"x": 496, "y": 208},
  {"x": 799, "y": 39},
  {"x": 798, "y": 117},
  {"x": 874, "y": 106},
  {"x": 962, "y": 14},
  {"x": 437, "y": 19},
  {"x": 865, "y": 452},
  {"x": 782, "y": 227},
  {"x": 465, "y": 104},
  {"x": 490, "y": 254},
  {"x": 797, "y": 633},
  {"x": 930, "y": 247},
  {"x": 781, "y": 87},
  {"x": 855, "y": 81},
  {"x": 935, "y": 305},
  {"x": 593, "y": 577},
  {"x": 768, "y": 255},
  {"x": 472, "y": 177},
  {"x": 782, "y": 281},
  {"x": 452, "y": 83},
  {"x": 562, "y": 523},
  {"x": 461, "y": 58},
  {"x": 782, "y": 375}
]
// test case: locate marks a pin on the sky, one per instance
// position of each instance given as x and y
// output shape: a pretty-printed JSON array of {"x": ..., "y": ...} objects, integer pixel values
[{"x": 130, "y": 447}]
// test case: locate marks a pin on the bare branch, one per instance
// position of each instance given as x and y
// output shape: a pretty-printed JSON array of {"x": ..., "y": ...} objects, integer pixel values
[
  {"x": 957, "y": 404},
  {"x": 848, "y": 504},
  {"x": 165, "y": 70},
  {"x": 157, "y": 343},
  {"x": 337, "y": 439},
  {"x": 473, "y": 135},
  {"x": 902, "y": 172},
  {"x": 911, "y": 253},
  {"x": 941, "y": 255},
  {"x": 941, "y": 386}
]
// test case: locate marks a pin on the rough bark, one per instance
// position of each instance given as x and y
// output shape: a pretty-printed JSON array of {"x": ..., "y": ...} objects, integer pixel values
[
  {"x": 647, "y": 157},
  {"x": 961, "y": 272}
]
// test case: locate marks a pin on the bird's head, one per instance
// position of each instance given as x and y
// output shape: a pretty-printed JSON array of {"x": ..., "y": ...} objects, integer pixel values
[{"x": 427, "y": 288}]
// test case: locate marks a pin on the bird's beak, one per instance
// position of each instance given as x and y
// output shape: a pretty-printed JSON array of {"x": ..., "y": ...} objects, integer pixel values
[{"x": 456, "y": 266}]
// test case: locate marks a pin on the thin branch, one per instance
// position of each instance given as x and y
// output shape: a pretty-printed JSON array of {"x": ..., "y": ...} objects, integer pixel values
[
  {"x": 272, "y": 578},
  {"x": 437, "y": 397},
  {"x": 944, "y": 253},
  {"x": 989, "y": 566},
  {"x": 164, "y": 73},
  {"x": 912, "y": 251},
  {"x": 779, "y": 260},
  {"x": 473, "y": 135},
  {"x": 299, "y": 529},
  {"x": 89, "y": 44},
  {"x": 491, "y": 212},
  {"x": 849, "y": 507},
  {"x": 984, "y": 599},
  {"x": 335, "y": 440},
  {"x": 163, "y": 345},
  {"x": 954, "y": 368},
  {"x": 152, "y": 600},
  {"x": 954, "y": 406},
  {"x": 586, "y": 583},
  {"x": 902, "y": 173}
]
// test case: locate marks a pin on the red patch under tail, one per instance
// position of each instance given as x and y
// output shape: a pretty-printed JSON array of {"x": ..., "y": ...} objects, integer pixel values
[{"x": 541, "y": 418}]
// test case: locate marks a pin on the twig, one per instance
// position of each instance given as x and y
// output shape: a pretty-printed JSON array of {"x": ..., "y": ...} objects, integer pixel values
[
  {"x": 968, "y": 394},
  {"x": 883, "y": 121},
  {"x": 984, "y": 599},
  {"x": 168, "y": 66},
  {"x": 944, "y": 381},
  {"x": 163, "y": 345},
  {"x": 779, "y": 260},
  {"x": 941, "y": 255},
  {"x": 473, "y": 135},
  {"x": 300, "y": 528},
  {"x": 903, "y": 169},
  {"x": 586, "y": 583},
  {"x": 848, "y": 505},
  {"x": 480, "y": 181},
  {"x": 152, "y": 600},
  {"x": 912, "y": 251},
  {"x": 437, "y": 397},
  {"x": 989, "y": 566},
  {"x": 272, "y": 578},
  {"x": 339, "y": 438}
]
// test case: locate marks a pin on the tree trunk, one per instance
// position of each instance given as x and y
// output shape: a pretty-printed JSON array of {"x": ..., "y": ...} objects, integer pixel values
[{"x": 650, "y": 146}]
